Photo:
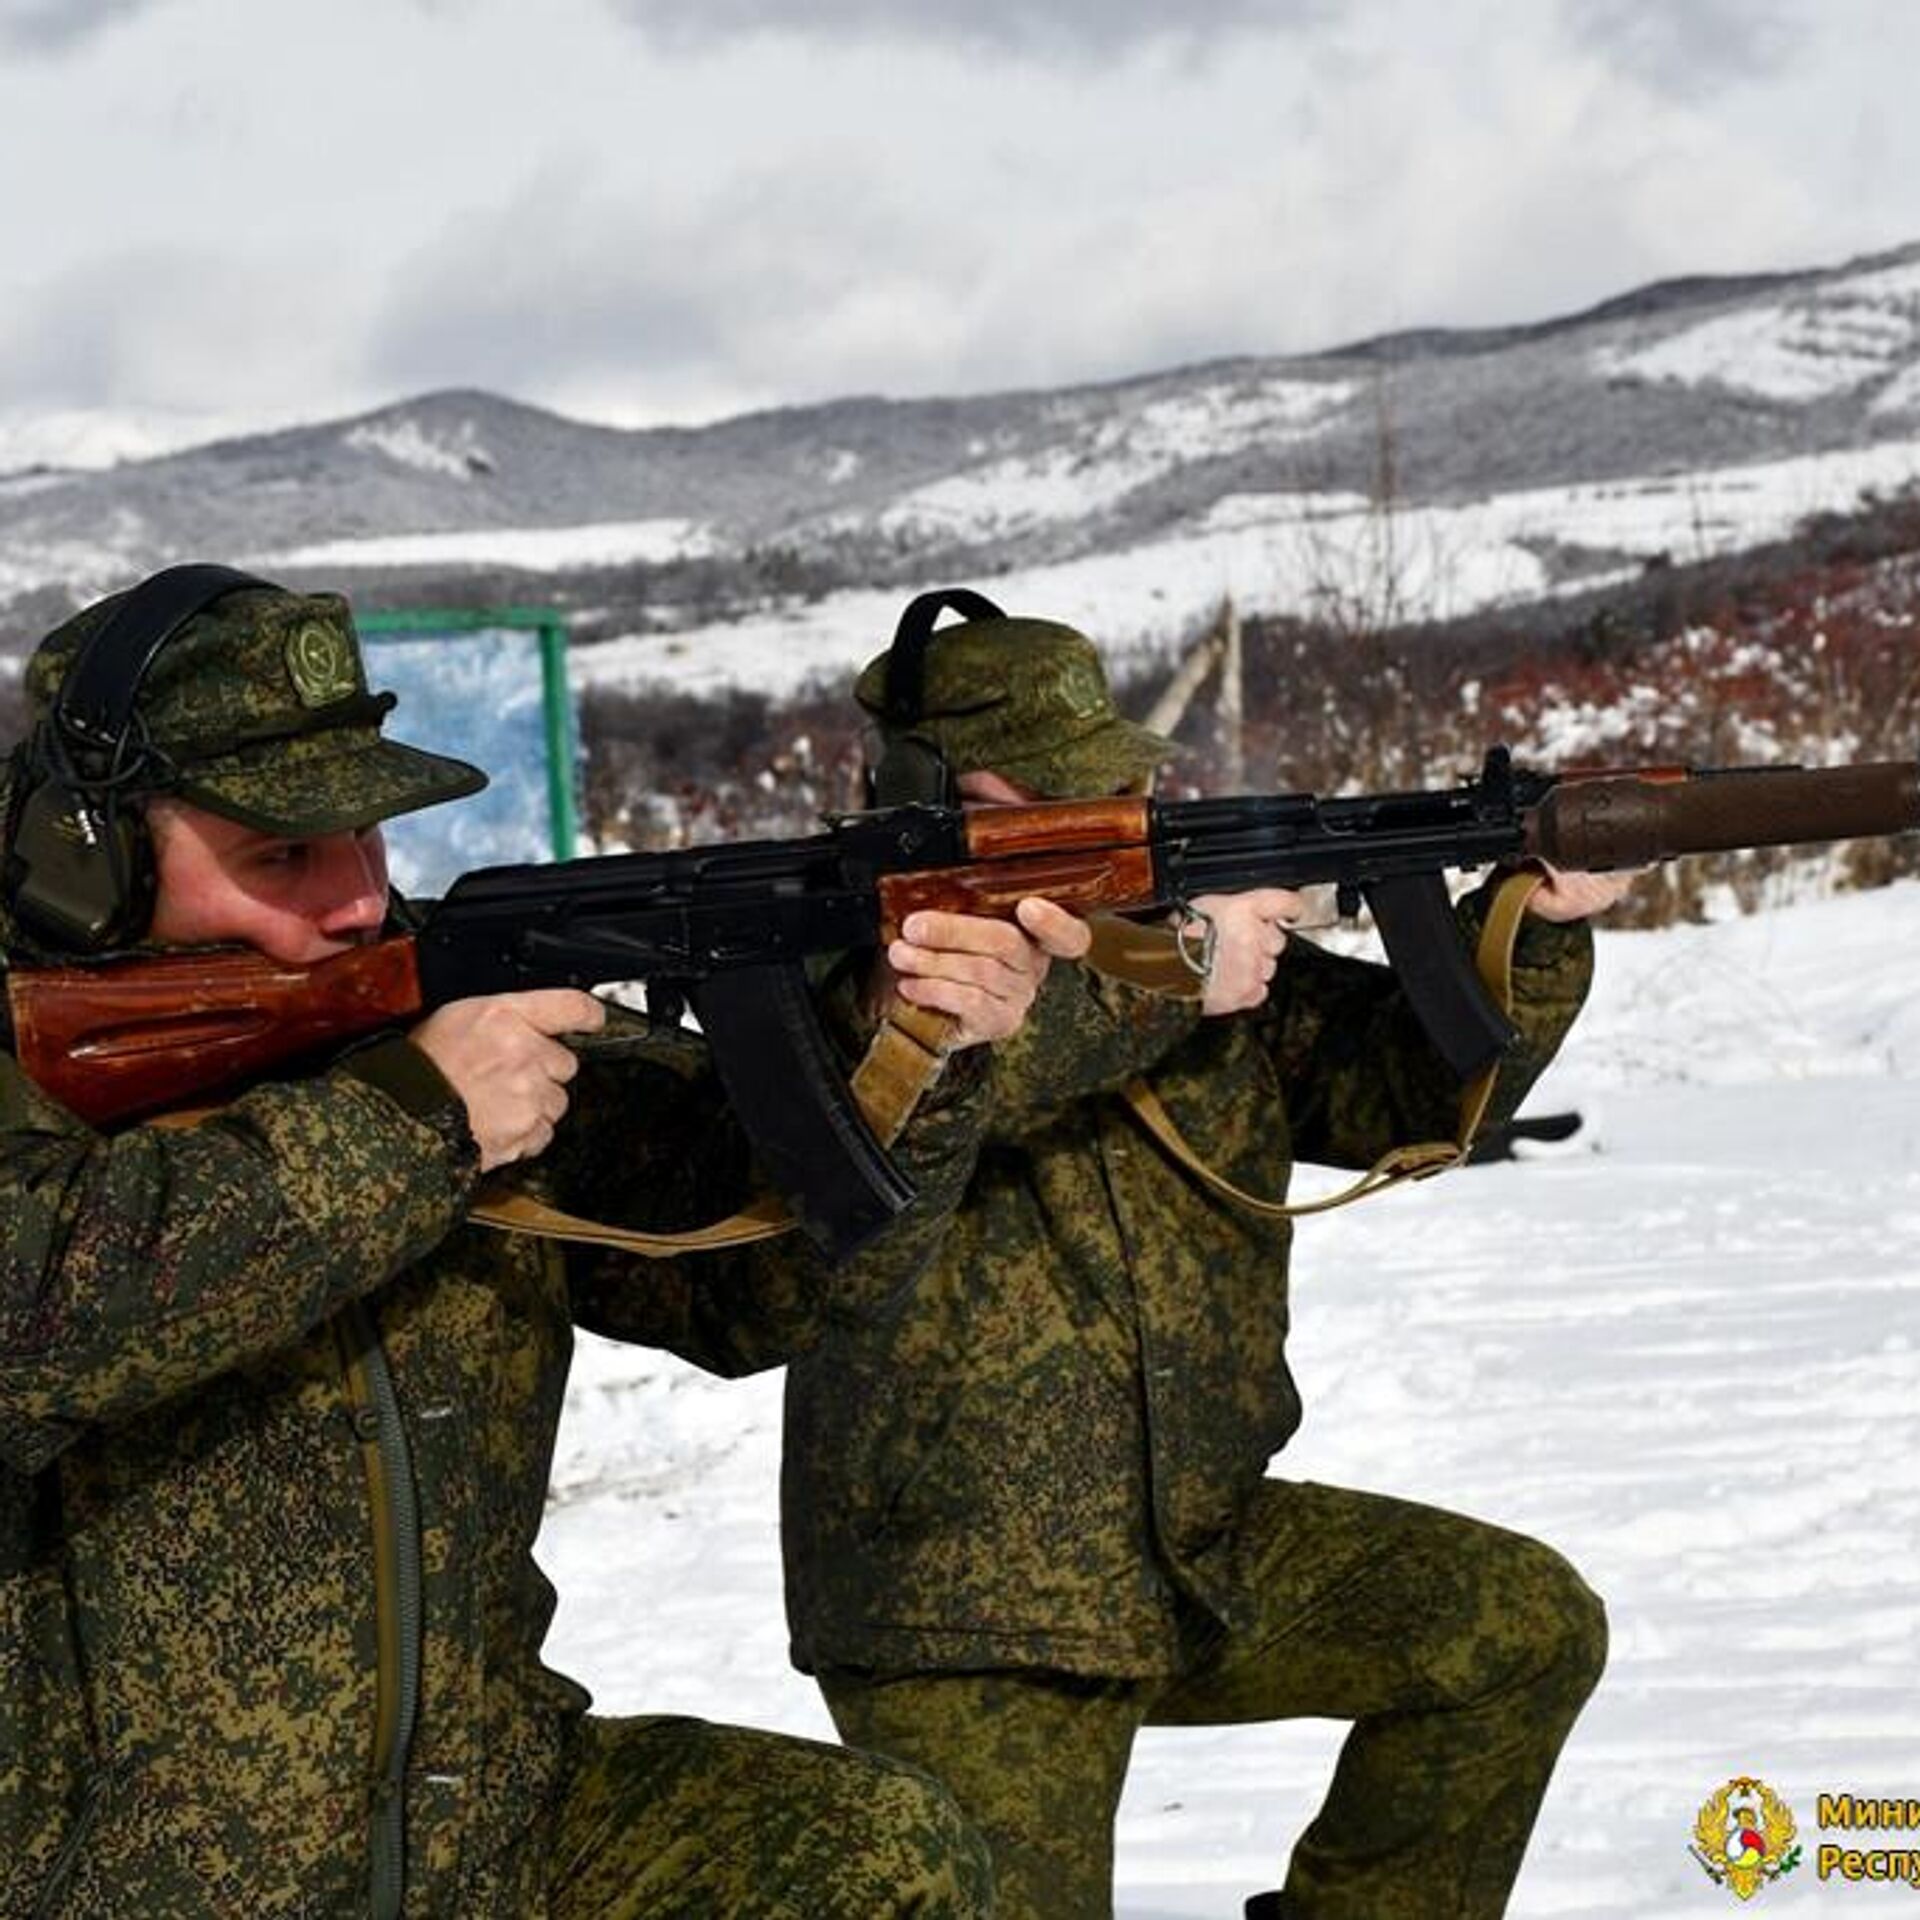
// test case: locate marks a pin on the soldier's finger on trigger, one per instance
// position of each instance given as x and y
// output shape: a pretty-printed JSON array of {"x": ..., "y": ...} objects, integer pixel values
[
  {"x": 932, "y": 963},
  {"x": 902, "y": 955},
  {"x": 960, "y": 932},
  {"x": 991, "y": 973},
  {"x": 941, "y": 995}
]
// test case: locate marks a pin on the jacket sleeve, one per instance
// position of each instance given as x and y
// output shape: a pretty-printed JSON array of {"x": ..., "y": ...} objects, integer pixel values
[
  {"x": 137, "y": 1265},
  {"x": 1357, "y": 1072},
  {"x": 1087, "y": 1035},
  {"x": 651, "y": 1143}
]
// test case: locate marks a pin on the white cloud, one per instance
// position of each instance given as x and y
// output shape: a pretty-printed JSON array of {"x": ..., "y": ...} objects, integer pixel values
[
  {"x": 52, "y": 26},
  {"x": 1687, "y": 46},
  {"x": 311, "y": 210},
  {"x": 177, "y": 325},
  {"x": 1057, "y": 28}
]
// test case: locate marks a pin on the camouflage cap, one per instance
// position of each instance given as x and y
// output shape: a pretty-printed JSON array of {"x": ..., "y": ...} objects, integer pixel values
[
  {"x": 1024, "y": 698},
  {"x": 258, "y": 709}
]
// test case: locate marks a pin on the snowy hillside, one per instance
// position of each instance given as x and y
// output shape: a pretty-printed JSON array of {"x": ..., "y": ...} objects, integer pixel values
[
  {"x": 1422, "y": 475},
  {"x": 1279, "y": 553},
  {"x": 1687, "y": 1352},
  {"x": 1857, "y": 331}
]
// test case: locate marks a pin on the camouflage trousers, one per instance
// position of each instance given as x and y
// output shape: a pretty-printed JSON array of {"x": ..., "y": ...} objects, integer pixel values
[
  {"x": 675, "y": 1819},
  {"x": 1461, "y": 1653}
]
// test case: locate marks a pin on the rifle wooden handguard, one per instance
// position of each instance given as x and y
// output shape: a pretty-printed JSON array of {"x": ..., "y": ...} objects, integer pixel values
[{"x": 1087, "y": 856}]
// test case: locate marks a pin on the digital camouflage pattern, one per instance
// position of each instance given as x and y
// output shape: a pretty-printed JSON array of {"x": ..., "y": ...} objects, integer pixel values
[
  {"x": 1026, "y": 698},
  {"x": 669, "y": 1816},
  {"x": 1027, "y": 1458},
  {"x": 1048, "y": 1458},
  {"x": 190, "y": 1552},
  {"x": 1462, "y": 1653},
  {"x": 258, "y": 709}
]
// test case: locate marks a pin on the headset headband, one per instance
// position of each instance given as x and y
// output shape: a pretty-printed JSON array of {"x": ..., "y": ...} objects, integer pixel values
[
  {"x": 904, "y": 698},
  {"x": 96, "y": 698}
]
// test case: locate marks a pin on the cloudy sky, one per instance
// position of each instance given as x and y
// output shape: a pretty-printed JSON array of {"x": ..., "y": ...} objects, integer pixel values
[{"x": 668, "y": 210}]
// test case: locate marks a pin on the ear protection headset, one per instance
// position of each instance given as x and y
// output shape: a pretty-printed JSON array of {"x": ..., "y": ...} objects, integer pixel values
[
  {"x": 80, "y": 870},
  {"x": 912, "y": 768}
]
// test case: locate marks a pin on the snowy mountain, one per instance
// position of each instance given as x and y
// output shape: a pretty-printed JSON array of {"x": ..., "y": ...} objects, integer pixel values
[{"x": 1438, "y": 471}]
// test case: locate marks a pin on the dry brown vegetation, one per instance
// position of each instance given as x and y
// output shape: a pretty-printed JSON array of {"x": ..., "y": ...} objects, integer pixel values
[{"x": 1808, "y": 652}]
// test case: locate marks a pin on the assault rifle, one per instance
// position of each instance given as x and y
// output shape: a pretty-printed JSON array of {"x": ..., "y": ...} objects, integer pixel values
[{"x": 726, "y": 930}]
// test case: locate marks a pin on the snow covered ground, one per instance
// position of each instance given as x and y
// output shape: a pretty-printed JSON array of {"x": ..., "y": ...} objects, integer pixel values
[
  {"x": 539, "y": 549},
  {"x": 1851, "y": 330},
  {"x": 1686, "y": 1351}
]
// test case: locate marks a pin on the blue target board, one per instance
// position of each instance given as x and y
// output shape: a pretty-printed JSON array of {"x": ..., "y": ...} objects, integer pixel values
[{"x": 491, "y": 688}]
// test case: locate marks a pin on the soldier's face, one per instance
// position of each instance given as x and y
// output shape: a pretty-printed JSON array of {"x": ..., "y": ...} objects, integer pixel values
[
  {"x": 987, "y": 789},
  {"x": 296, "y": 900}
]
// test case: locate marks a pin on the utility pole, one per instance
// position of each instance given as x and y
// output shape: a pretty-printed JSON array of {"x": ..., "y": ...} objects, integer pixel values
[
  {"x": 1188, "y": 678},
  {"x": 1219, "y": 645},
  {"x": 1232, "y": 709}
]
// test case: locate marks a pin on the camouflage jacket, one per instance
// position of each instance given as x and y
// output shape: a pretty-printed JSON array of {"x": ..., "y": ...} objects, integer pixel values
[
  {"x": 275, "y": 1429},
  {"x": 1026, "y": 1460}
]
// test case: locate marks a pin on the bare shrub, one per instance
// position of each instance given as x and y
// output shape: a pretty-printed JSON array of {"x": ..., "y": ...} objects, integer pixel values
[
  {"x": 1809, "y": 654},
  {"x": 670, "y": 769}
]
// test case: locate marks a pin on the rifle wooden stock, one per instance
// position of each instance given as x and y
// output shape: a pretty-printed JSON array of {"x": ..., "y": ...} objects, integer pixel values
[
  {"x": 113, "y": 1043},
  {"x": 1594, "y": 824}
]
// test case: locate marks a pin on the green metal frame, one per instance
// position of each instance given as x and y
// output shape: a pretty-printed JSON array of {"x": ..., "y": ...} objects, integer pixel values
[{"x": 555, "y": 704}]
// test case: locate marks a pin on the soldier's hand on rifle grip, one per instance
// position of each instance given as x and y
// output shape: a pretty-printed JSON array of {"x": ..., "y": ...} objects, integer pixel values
[
  {"x": 500, "y": 1054},
  {"x": 1578, "y": 896},
  {"x": 982, "y": 973},
  {"x": 1249, "y": 936}
]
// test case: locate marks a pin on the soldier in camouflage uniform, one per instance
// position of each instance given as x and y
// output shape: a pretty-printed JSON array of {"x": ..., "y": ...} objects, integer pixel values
[
  {"x": 275, "y": 1424},
  {"x": 1024, "y": 1508}
]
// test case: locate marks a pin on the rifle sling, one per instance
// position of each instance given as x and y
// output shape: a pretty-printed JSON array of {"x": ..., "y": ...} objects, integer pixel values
[
  {"x": 1494, "y": 960},
  {"x": 901, "y": 1063},
  {"x": 1141, "y": 956}
]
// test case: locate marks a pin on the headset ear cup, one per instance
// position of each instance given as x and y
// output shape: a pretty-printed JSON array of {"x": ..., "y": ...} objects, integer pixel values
[
  {"x": 140, "y": 878},
  {"x": 79, "y": 876},
  {"x": 79, "y": 867},
  {"x": 912, "y": 772}
]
